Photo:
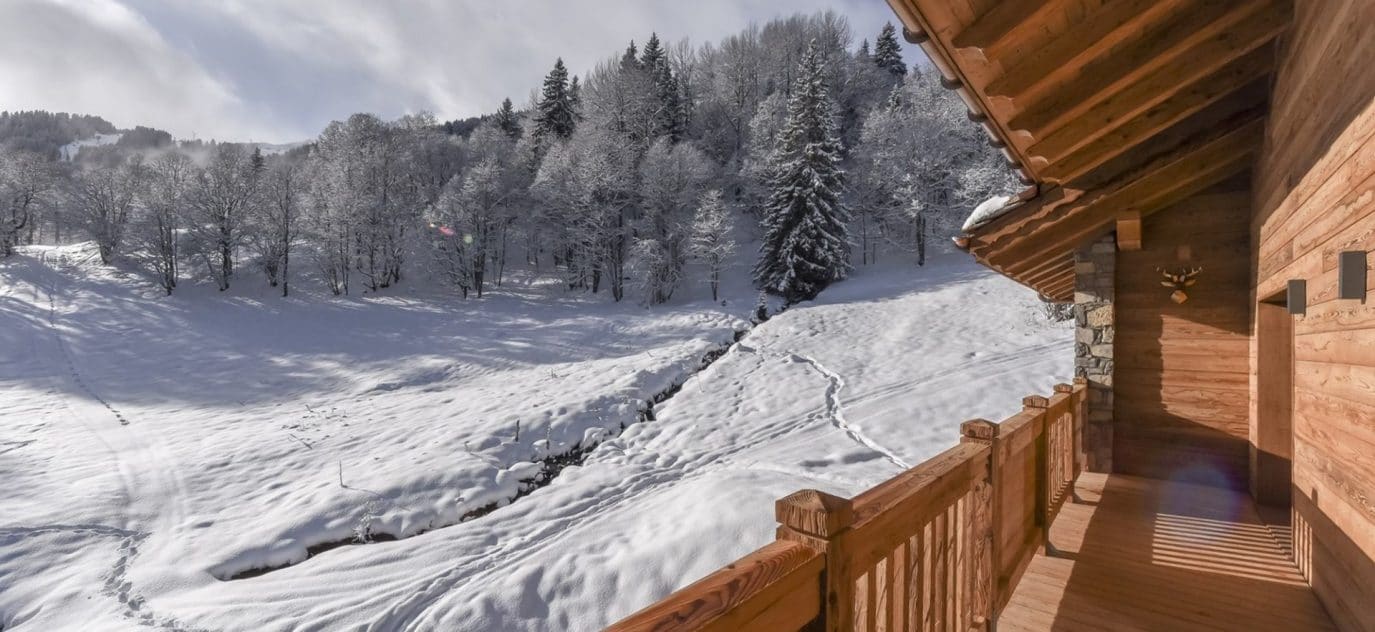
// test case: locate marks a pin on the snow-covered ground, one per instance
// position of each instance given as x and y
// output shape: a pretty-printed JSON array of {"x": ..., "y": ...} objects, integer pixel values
[{"x": 154, "y": 447}]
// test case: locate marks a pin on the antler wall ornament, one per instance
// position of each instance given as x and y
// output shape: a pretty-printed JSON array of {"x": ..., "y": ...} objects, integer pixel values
[{"x": 1179, "y": 280}]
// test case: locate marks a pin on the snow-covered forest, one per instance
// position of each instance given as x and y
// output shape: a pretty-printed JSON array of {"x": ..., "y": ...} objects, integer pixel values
[{"x": 617, "y": 179}]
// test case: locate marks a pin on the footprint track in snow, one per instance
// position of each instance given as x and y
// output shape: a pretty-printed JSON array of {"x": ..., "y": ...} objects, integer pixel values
[
  {"x": 836, "y": 412},
  {"x": 67, "y": 353},
  {"x": 164, "y": 482}
]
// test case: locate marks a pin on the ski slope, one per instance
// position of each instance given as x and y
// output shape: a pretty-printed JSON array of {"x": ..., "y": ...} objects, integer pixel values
[{"x": 155, "y": 447}]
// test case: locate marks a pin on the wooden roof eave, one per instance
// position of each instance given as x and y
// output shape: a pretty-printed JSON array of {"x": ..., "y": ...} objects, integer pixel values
[
  {"x": 917, "y": 31},
  {"x": 1054, "y": 225},
  {"x": 1180, "y": 112}
]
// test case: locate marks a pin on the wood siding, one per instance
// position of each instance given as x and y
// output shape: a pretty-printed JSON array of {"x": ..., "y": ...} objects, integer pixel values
[
  {"x": 1180, "y": 380},
  {"x": 1314, "y": 197}
]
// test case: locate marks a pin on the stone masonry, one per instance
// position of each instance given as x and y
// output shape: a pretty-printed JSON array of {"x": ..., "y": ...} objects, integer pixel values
[{"x": 1095, "y": 266}]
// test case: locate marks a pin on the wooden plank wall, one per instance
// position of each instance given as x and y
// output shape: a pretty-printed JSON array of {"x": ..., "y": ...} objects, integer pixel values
[
  {"x": 1181, "y": 374},
  {"x": 1314, "y": 197}
]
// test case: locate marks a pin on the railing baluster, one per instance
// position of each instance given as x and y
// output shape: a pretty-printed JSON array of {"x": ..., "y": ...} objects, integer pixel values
[
  {"x": 928, "y": 577},
  {"x": 897, "y": 619},
  {"x": 869, "y": 605},
  {"x": 915, "y": 596},
  {"x": 942, "y": 551}
]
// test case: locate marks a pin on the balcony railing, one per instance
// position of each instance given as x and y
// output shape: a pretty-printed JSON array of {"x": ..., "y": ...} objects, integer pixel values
[{"x": 938, "y": 547}]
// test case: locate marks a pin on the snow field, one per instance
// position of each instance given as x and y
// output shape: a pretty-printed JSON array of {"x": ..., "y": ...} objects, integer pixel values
[{"x": 244, "y": 412}]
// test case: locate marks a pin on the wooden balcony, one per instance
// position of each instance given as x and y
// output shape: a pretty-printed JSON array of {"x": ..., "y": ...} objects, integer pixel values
[
  {"x": 1144, "y": 554},
  {"x": 1003, "y": 531}
]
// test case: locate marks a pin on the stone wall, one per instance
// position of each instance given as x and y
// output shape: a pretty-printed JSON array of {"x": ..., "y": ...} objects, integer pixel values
[{"x": 1095, "y": 267}]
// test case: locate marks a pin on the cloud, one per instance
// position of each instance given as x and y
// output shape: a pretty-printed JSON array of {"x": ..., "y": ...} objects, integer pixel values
[
  {"x": 278, "y": 70},
  {"x": 97, "y": 56}
]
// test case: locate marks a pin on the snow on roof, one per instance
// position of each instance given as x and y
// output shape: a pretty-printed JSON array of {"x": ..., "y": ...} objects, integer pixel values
[{"x": 987, "y": 210}]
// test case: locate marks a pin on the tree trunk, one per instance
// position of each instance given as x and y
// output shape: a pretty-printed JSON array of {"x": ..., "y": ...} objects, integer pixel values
[
  {"x": 921, "y": 240},
  {"x": 479, "y": 271},
  {"x": 286, "y": 262},
  {"x": 864, "y": 238}
]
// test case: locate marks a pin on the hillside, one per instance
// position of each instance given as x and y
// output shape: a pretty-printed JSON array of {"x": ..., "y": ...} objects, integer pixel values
[{"x": 161, "y": 446}]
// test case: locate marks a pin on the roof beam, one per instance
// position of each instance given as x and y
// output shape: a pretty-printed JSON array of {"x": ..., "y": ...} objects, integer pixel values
[
  {"x": 1063, "y": 292},
  {"x": 1060, "y": 291},
  {"x": 1053, "y": 275},
  {"x": 1101, "y": 78},
  {"x": 1003, "y": 24},
  {"x": 1129, "y": 230},
  {"x": 1048, "y": 268},
  {"x": 1061, "y": 273},
  {"x": 1130, "y": 118},
  {"x": 1095, "y": 36},
  {"x": 1031, "y": 217},
  {"x": 1085, "y": 226},
  {"x": 1164, "y": 180}
]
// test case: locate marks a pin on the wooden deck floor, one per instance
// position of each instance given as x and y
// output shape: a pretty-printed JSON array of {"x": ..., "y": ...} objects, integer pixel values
[{"x": 1143, "y": 554}]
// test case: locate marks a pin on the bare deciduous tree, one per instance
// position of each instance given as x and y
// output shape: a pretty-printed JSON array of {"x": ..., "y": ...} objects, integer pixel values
[
  {"x": 712, "y": 243},
  {"x": 26, "y": 179},
  {"x": 159, "y": 224},
  {"x": 103, "y": 197},
  {"x": 276, "y": 221}
]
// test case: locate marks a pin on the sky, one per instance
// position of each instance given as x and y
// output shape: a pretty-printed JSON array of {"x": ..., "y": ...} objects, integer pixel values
[{"x": 280, "y": 70}]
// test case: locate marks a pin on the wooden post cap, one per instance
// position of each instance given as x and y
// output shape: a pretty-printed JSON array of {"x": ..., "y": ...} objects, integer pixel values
[
  {"x": 1064, "y": 388},
  {"x": 980, "y": 429},
  {"x": 1035, "y": 401},
  {"x": 814, "y": 513}
]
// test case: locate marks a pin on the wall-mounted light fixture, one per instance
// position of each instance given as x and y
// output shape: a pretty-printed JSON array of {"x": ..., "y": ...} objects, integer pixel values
[
  {"x": 1297, "y": 297},
  {"x": 1351, "y": 275}
]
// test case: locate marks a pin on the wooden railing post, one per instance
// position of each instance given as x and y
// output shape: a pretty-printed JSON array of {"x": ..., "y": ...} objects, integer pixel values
[
  {"x": 1065, "y": 460},
  {"x": 1081, "y": 416},
  {"x": 819, "y": 520},
  {"x": 1037, "y": 403},
  {"x": 987, "y": 524}
]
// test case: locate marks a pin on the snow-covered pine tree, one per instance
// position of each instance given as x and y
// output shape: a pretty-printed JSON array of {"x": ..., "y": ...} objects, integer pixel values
[
  {"x": 894, "y": 99},
  {"x": 653, "y": 53},
  {"x": 631, "y": 59},
  {"x": 555, "y": 108},
  {"x": 667, "y": 111},
  {"x": 806, "y": 241},
  {"x": 711, "y": 236},
  {"x": 887, "y": 53},
  {"x": 575, "y": 98},
  {"x": 506, "y": 120}
]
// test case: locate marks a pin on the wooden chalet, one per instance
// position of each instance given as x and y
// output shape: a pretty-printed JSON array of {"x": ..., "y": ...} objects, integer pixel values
[{"x": 1201, "y": 185}]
